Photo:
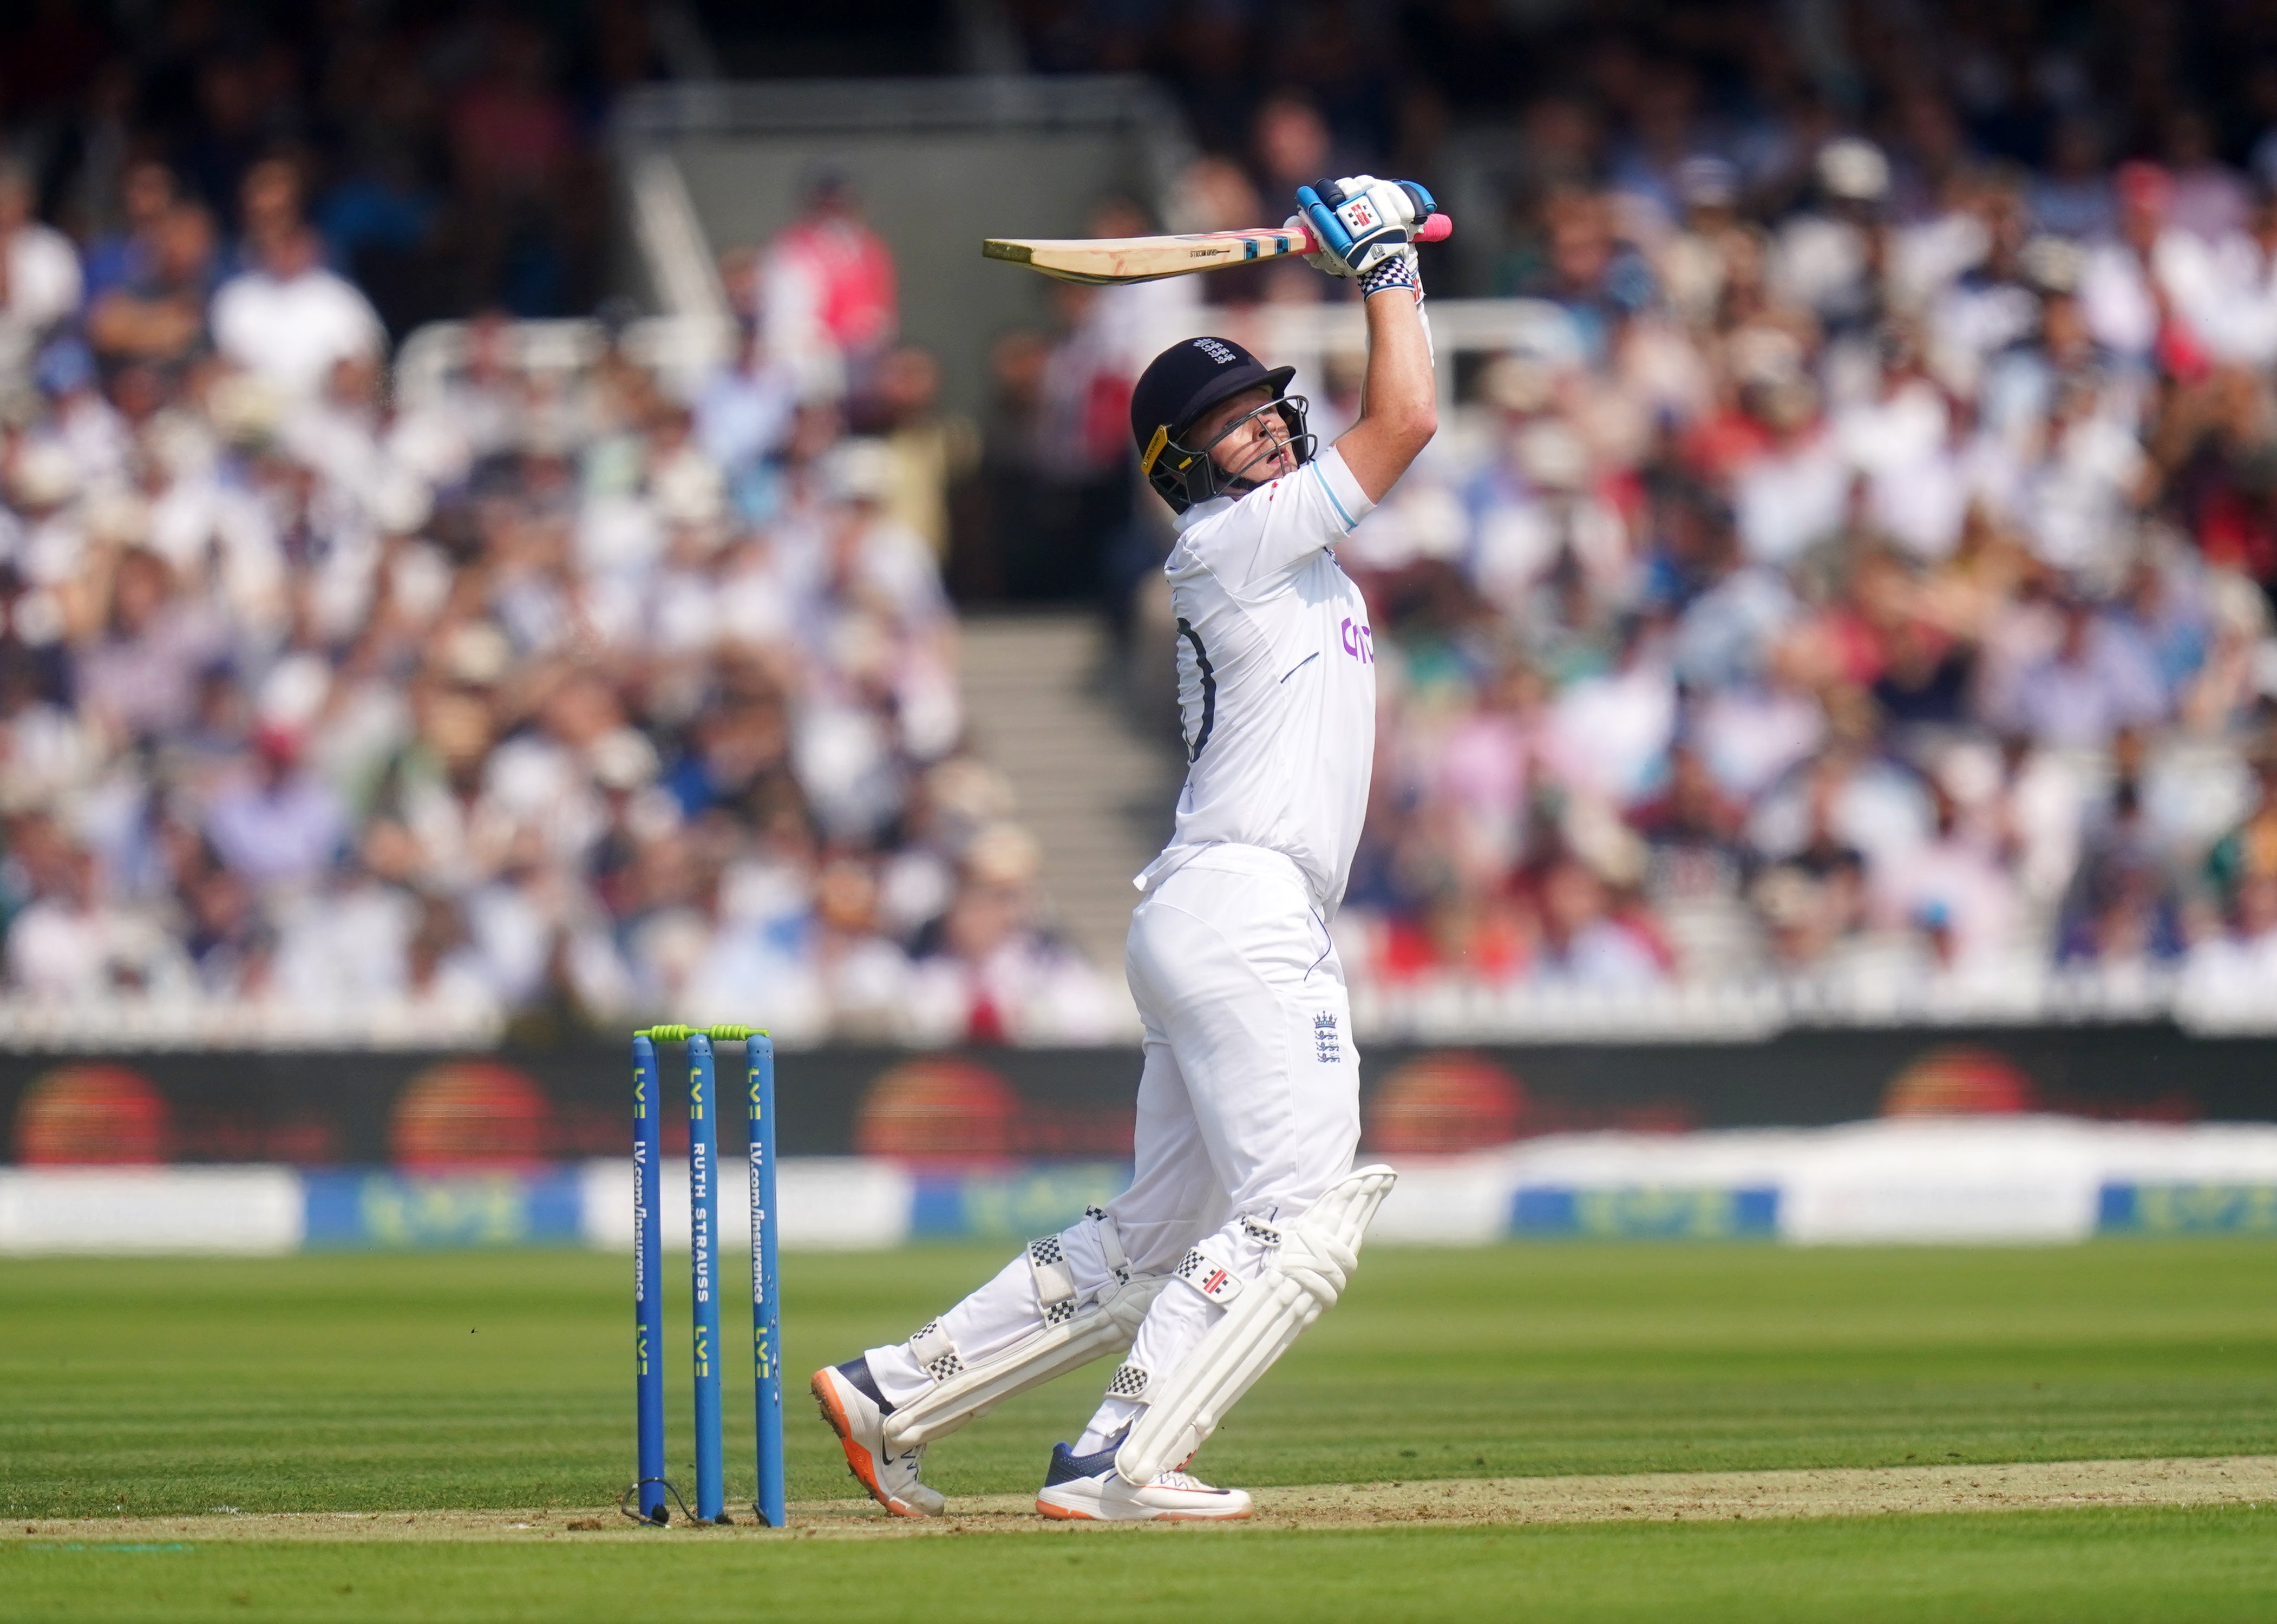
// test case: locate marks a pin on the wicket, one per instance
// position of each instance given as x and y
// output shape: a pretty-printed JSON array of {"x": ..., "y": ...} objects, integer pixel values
[{"x": 704, "y": 1222}]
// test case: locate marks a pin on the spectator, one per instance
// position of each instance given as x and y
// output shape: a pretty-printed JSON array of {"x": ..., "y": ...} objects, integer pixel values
[
  {"x": 1582, "y": 944},
  {"x": 276, "y": 824},
  {"x": 71, "y": 941},
  {"x": 2123, "y": 907},
  {"x": 933, "y": 450},
  {"x": 2129, "y": 288},
  {"x": 288, "y": 320},
  {"x": 1797, "y": 492},
  {"x": 124, "y": 257},
  {"x": 746, "y": 409},
  {"x": 986, "y": 973},
  {"x": 1293, "y": 144},
  {"x": 1693, "y": 831},
  {"x": 137, "y": 678},
  {"x": 2098, "y": 679},
  {"x": 1831, "y": 261},
  {"x": 2210, "y": 198},
  {"x": 42, "y": 271},
  {"x": 2237, "y": 964},
  {"x": 828, "y": 287},
  {"x": 2071, "y": 197},
  {"x": 2248, "y": 851},
  {"x": 153, "y": 309},
  {"x": 1955, "y": 884}
]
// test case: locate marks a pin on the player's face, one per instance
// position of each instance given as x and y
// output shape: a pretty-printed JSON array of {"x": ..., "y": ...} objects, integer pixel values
[{"x": 1247, "y": 439}]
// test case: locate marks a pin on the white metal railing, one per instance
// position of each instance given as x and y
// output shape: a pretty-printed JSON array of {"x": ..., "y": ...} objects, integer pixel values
[
  {"x": 1453, "y": 1011},
  {"x": 678, "y": 349},
  {"x": 1437, "y": 1010},
  {"x": 122, "y": 1022},
  {"x": 1306, "y": 335},
  {"x": 682, "y": 347},
  {"x": 681, "y": 267}
]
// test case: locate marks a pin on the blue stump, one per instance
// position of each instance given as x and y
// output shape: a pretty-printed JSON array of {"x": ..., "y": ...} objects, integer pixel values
[
  {"x": 647, "y": 1284},
  {"x": 703, "y": 1259},
  {"x": 767, "y": 1313}
]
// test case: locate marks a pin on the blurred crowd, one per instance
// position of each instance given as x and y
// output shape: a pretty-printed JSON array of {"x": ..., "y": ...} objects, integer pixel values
[
  {"x": 1863, "y": 574},
  {"x": 1845, "y": 594},
  {"x": 556, "y": 695},
  {"x": 451, "y": 154}
]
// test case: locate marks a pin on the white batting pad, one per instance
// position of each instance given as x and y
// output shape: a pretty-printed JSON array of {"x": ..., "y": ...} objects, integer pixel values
[
  {"x": 1317, "y": 1256},
  {"x": 1073, "y": 1331}
]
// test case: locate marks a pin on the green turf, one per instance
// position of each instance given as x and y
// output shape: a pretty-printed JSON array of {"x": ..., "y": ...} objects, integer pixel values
[
  {"x": 2164, "y": 1565},
  {"x": 502, "y": 1379}
]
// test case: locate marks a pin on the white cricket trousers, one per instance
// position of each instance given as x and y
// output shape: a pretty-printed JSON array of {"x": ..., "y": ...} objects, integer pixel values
[{"x": 1248, "y": 1107}]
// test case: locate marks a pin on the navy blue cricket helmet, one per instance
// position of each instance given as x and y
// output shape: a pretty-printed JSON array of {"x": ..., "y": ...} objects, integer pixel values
[{"x": 1178, "y": 387}]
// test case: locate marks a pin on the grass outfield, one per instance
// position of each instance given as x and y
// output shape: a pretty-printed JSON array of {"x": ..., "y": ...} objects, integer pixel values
[
  {"x": 502, "y": 1379},
  {"x": 496, "y": 1380}
]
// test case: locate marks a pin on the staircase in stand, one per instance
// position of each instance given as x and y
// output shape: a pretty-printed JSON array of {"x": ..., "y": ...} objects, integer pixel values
[{"x": 1043, "y": 708}]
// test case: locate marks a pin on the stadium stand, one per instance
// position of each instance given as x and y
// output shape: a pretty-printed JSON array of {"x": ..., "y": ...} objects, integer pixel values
[{"x": 1852, "y": 600}]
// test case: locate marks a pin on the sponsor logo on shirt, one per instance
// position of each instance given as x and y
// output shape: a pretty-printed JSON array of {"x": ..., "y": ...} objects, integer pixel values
[{"x": 1360, "y": 642}]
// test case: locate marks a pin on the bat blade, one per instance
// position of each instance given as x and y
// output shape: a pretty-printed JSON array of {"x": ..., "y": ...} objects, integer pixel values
[
  {"x": 1145, "y": 259},
  {"x": 1105, "y": 261}
]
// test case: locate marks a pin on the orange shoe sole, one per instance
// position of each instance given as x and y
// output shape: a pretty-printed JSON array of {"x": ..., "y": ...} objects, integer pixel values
[{"x": 857, "y": 1457}]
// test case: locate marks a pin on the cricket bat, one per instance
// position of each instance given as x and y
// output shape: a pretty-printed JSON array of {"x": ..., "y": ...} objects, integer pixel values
[{"x": 1106, "y": 260}]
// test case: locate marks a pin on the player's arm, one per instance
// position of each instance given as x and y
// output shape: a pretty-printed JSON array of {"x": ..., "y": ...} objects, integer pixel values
[
  {"x": 1366, "y": 227},
  {"x": 1399, "y": 402}
]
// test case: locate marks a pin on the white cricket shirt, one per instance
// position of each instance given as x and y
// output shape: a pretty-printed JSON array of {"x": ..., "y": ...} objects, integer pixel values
[{"x": 1277, "y": 677}]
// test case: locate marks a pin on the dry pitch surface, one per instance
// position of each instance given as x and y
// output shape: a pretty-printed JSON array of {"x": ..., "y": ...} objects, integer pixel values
[{"x": 1659, "y": 1497}]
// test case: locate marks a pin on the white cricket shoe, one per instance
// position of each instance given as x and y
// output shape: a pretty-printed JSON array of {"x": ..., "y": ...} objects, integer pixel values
[
  {"x": 856, "y": 1412},
  {"x": 1085, "y": 1488}
]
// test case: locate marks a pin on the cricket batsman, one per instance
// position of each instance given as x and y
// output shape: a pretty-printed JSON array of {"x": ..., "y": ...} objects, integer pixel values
[{"x": 1244, "y": 1217}]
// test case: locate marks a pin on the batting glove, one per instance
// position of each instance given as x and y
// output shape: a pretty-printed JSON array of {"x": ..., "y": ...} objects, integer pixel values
[{"x": 1361, "y": 221}]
